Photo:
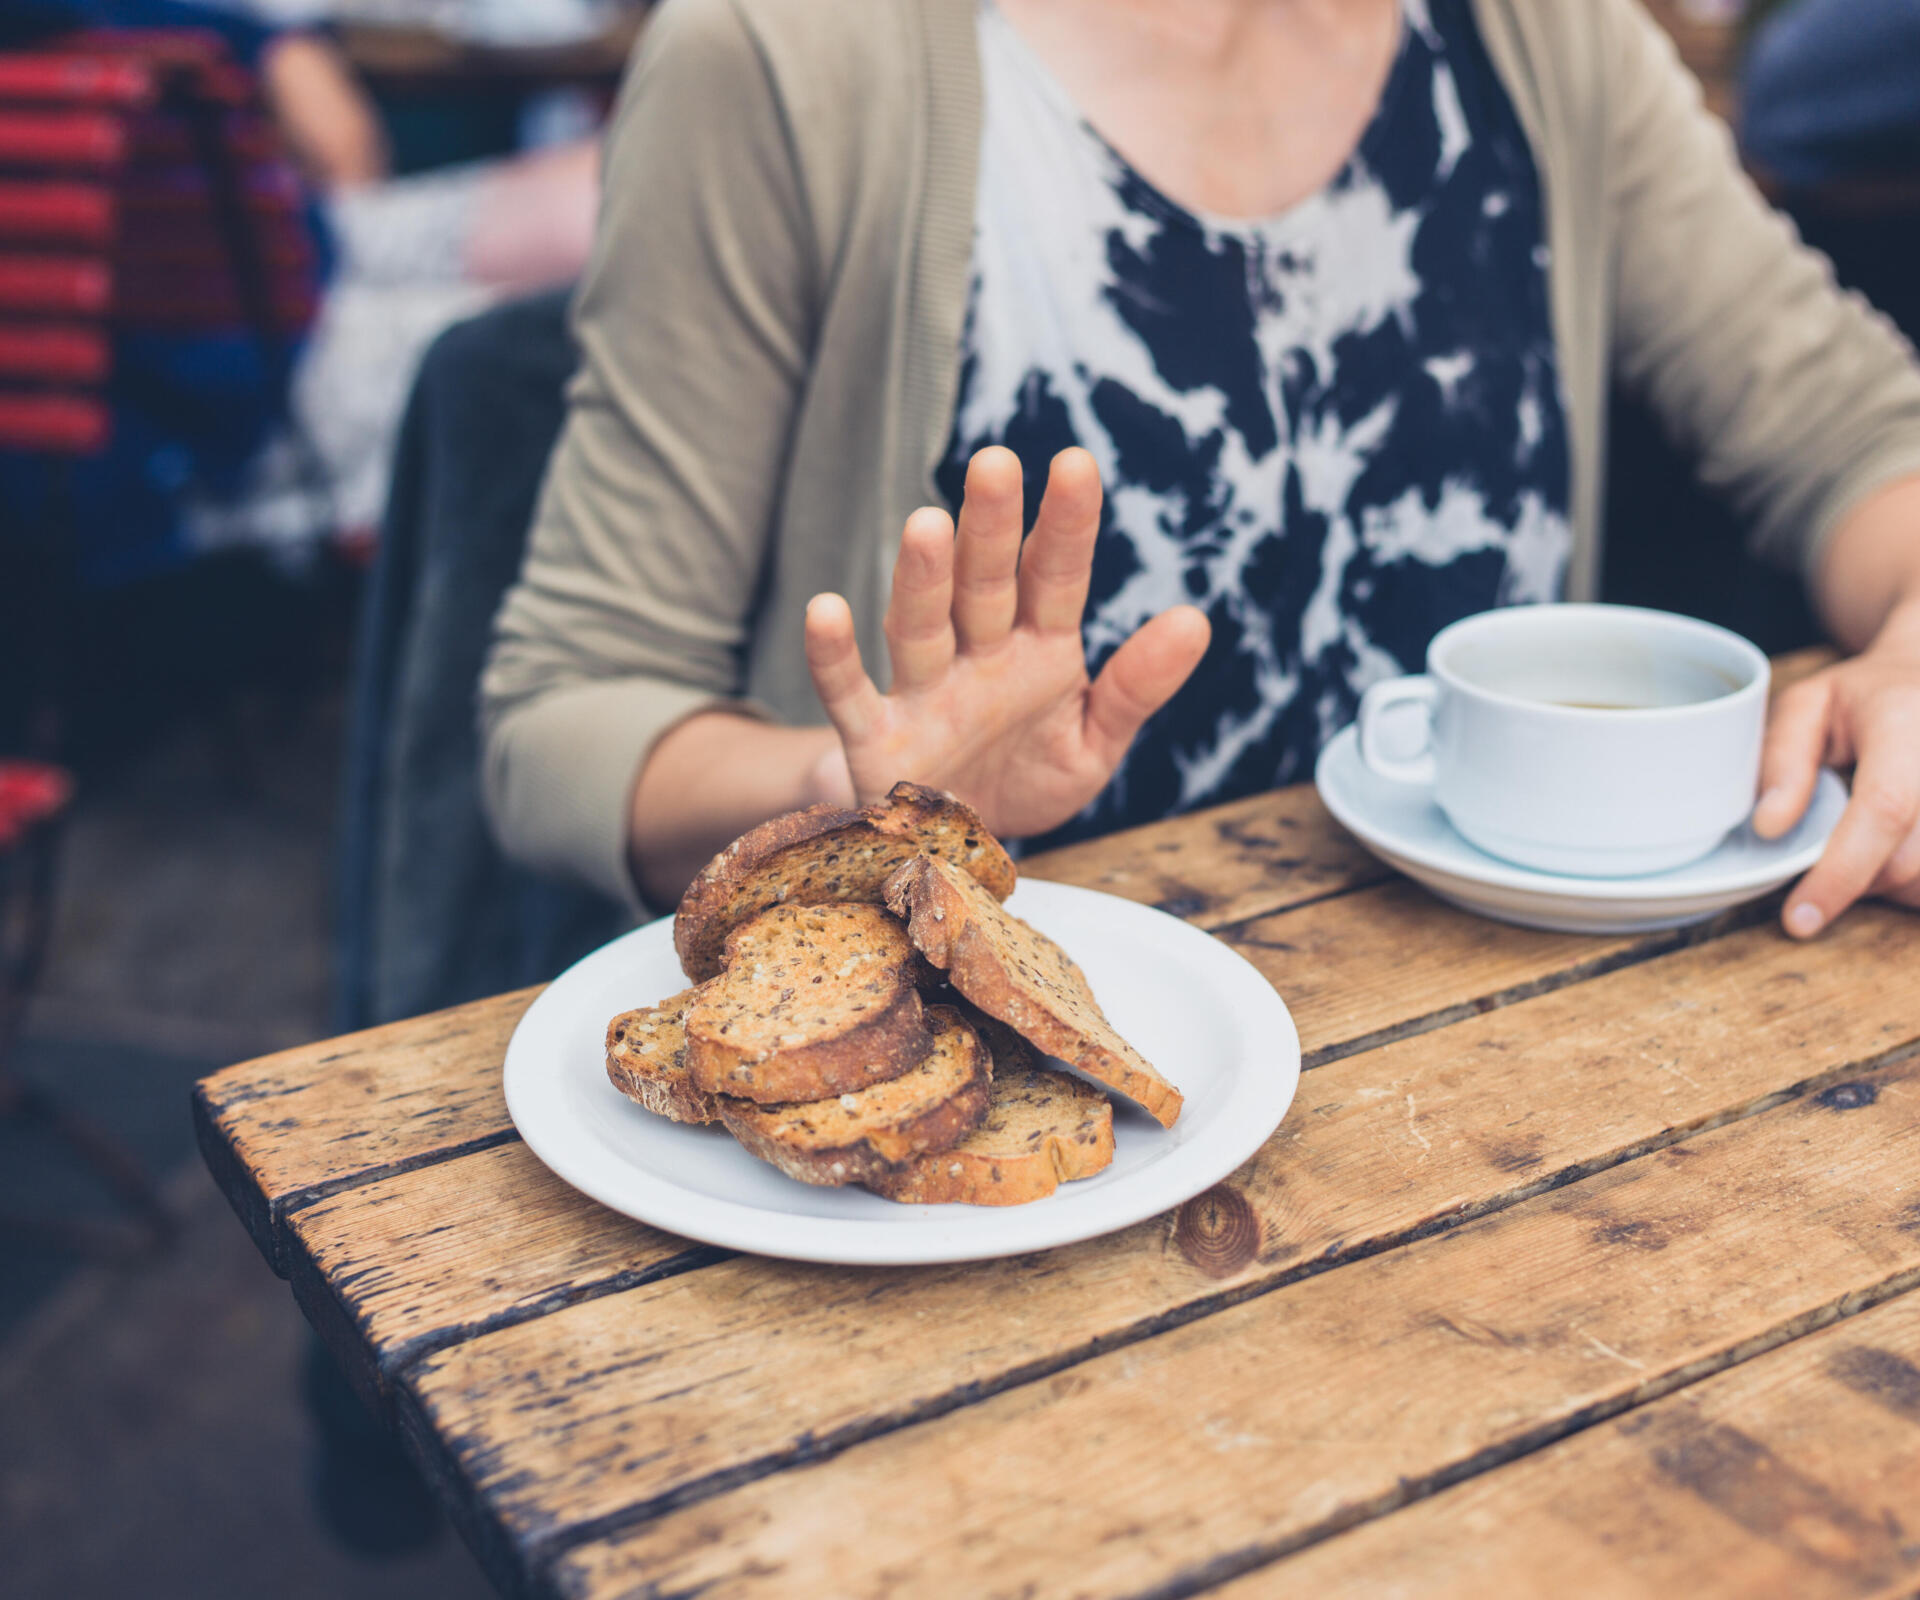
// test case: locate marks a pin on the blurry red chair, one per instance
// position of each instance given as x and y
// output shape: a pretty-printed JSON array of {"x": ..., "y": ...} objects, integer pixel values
[{"x": 142, "y": 190}]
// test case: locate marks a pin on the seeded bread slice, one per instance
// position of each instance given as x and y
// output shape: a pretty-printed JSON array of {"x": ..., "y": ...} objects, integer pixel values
[
  {"x": 815, "y": 1001},
  {"x": 828, "y": 854},
  {"x": 647, "y": 1061},
  {"x": 862, "y": 1135},
  {"x": 1043, "y": 1128},
  {"x": 1018, "y": 974}
]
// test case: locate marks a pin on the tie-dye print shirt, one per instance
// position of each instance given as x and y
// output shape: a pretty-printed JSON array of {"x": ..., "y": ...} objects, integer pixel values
[{"x": 1335, "y": 431}]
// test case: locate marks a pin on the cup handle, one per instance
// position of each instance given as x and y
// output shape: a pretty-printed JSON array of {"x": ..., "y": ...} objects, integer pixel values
[{"x": 1374, "y": 704}]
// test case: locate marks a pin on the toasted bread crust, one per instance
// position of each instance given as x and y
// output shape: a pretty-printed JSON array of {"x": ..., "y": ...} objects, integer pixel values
[
  {"x": 866, "y": 1134},
  {"x": 1043, "y": 1128},
  {"x": 1016, "y": 973},
  {"x": 647, "y": 1061},
  {"x": 815, "y": 1001},
  {"x": 827, "y": 854}
]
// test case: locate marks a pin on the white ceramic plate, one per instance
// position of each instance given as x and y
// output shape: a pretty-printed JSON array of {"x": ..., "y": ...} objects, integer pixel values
[
  {"x": 1189, "y": 1004},
  {"x": 1401, "y": 824}
]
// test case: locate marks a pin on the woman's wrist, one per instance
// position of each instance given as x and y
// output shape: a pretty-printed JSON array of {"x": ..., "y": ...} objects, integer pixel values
[
  {"x": 709, "y": 779},
  {"x": 1869, "y": 581},
  {"x": 1902, "y": 627}
]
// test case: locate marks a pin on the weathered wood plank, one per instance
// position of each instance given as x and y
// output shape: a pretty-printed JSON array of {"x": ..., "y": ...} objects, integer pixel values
[
  {"x": 1174, "y": 1463},
  {"x": 278, "y": 1130},
  {"x": 389, "y": 1270},
  {"x": 1796, "y": 1474},
  {"x": 1356, "y": 968},
  {"x": 1373, "y": 965},
  {"x": 1240, "y": 860},
  {"x": 433, "y": 1257},
  {"x": 672, "y": 1389}
]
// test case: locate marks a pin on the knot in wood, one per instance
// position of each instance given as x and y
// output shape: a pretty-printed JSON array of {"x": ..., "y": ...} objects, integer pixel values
[
  {"x": 1847, "y": 1097},
  {"x": 1217, "y": 1231}
]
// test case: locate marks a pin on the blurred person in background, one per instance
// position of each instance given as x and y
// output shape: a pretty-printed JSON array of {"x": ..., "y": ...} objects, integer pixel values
[
  {"x": 1325, "y": 295},
  {"x": 1830, "y": 92},
  {"x": 1830, "y": 119},
  {"x": 406, "y": 256},
  {"x": 412, "y": 255}
]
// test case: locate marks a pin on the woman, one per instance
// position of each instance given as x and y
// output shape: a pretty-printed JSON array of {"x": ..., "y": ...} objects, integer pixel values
[{"x": 1329, "y": 291}]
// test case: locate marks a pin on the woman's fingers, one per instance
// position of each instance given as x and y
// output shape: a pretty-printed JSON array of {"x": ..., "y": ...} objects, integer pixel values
[
  {"x": 987, "y": 552},
  {"x": 833, "y": 657},
  {"x": 1142, "y": 676},
  {"x": 1057, "y": 563},
  {"x": 1797, "y": 738},
  {"x": 1880, "y": 817},
  {"x": 919, "y": 624}
]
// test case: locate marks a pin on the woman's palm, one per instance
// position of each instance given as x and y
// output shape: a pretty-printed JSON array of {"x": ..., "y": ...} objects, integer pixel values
[{"x": 990, "y": 695}]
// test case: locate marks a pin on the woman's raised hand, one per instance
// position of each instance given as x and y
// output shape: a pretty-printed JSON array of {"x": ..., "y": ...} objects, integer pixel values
[{"x": 990, "y": 695}]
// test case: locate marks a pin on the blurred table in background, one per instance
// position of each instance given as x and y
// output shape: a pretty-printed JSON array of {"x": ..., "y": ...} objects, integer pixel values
[
  {"x": 398, "y": 56},
  {"x": 461, "y": 82}
]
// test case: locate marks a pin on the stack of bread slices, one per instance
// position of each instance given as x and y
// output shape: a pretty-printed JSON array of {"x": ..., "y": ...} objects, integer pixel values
[{"x": 865, "y": 1010}]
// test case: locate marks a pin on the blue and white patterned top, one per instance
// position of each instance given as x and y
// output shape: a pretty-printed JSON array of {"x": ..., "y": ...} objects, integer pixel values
[{"x": 1335, "y": 431}]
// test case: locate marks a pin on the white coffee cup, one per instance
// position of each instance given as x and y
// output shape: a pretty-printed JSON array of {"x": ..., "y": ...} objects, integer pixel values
[{"x": 1599, "y": 741}]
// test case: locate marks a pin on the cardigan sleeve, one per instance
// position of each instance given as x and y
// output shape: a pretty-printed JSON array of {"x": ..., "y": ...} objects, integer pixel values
[
  {"x": 1795, "y": 399},
  {"x": 693, "y": 321}
]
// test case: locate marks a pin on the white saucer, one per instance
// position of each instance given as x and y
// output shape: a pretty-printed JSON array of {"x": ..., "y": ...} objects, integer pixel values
[{"x": 1401, "y": 824}]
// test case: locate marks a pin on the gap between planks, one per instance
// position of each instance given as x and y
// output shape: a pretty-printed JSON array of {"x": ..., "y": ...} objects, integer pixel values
[
  {"x": 550, "y": 1548},
  {"x": 1251, "y": 837},
  {"x": 1412, "y": 1491},
  {"x": 1740, "y": 995},
  {"x": 1651, "y": 947},
  {"x": 1786, "y": 1475},
  {"x": 267, "y": 1215},
  {"x": 319, "y": 1296},
  {"x": 398, "y": 1096},
  {"x": 1117, "y": 1469}
]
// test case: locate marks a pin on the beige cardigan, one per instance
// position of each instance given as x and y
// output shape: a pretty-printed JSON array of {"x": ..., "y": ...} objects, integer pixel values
[{"x": 770, "y": 325}]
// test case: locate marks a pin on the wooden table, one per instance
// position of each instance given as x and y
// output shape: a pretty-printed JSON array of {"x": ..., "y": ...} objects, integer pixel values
[{"x": 1579, "y": 1265}]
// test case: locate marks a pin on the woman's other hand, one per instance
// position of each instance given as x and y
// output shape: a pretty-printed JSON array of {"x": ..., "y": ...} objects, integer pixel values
[
  {"x": 990, "y": 695},
  {"x": 1864, "y": 711}
]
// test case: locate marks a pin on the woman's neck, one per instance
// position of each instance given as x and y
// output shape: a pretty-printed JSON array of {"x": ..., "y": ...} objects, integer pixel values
[
  {"x": 1236, "y": 107},
  {"x": 1216, "y": 32}
]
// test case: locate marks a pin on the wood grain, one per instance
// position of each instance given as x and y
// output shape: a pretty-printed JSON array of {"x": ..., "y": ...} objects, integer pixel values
[
  {"x": 1169, "y": 1465},
  {"x": 669, "y": 1390},
  {"x": 390, "y": 1270},
  {"x": 1240, "y": 860},
  {"x": 277, "y": 1131},
  {"x": 433, "y": 1257},
  {"x": 1797, "y": 1474},
  {"x": 1377, "y": 964},
  {"x": 1356, "y": 969}
]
